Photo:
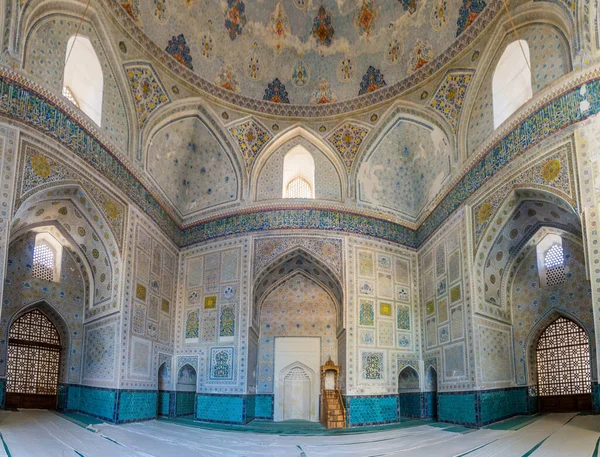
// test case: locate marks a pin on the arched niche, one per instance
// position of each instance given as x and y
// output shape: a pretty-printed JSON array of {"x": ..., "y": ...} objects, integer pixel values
[
  {"x": 408, "y": 380},
  {"x": 297, "y": 396},
  {"x": 297, "y": 260},
  {"x": 550, "y": 58},
  {"x": 268, "y": 172},
  {"x": 83, "y": 225},
  {"x": 405, "y": 165},
  {"x": 44, "y": 30},
  {"x": 183, "y": 141},
  {"x": 522, "y": 213},
  {"x": 187, "y": 379},
  {"x": 431, "y": 379},
  {"x": 164, "y": 376}
]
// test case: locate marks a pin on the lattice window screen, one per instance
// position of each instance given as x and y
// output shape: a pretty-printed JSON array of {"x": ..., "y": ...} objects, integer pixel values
[
  {"x": 33, "y": 355},
  {"x": 43, "y": 262},
  {"x": 299, "y": 188},
  {"x": 563, "y": 359}
]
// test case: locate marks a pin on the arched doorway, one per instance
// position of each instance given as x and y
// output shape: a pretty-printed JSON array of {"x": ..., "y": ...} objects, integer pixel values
[
  {"x": 298, "y": 396},
  {"x": 564, "y": 368},
  {"x": 187, "y": 381},
  {"x": 34, "y": 348}
]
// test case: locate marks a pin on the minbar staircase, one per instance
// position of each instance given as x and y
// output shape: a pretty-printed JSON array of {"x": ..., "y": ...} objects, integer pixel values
[{"x": 333, "y": 412}]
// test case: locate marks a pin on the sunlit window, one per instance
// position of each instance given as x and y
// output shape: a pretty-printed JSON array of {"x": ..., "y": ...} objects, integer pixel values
[
  {"x": 83, "y": 81},
  {"x": 551, "y": 260},
  {"x": 554, "y": 257},
  {"x": 46, "y": 258},
  {"x": 511, "y": 85},
  {"x": 298, "y": 174}
]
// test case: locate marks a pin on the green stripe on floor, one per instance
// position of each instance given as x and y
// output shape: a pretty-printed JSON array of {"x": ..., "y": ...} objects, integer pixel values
[{"x": 5, "y": 446}]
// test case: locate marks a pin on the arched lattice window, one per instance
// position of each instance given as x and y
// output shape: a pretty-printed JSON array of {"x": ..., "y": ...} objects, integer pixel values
[
  {"x": 47, "y": 254},
  {"x": 563, "y": 359},
  {"x": 33, "y": 355},
  {"x": 298, "y": 174},
  {"x": 83, "y": 81},
  {"x": 511, "y": 84},
  {"x": 551, "y": 260}
]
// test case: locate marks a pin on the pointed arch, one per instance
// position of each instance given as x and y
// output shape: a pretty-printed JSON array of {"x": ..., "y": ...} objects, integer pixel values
[
  {"x": 88, "y": 228},
  {"x": 430, "y": 382},
  {"x": 35, "y": 13},
  {"x": 328, "y": 166},
  {"x": 171, "y": 139},
  {"x": 187, "y": 378},
  {"x": 54, "y": 315},
  {"x": 408, "y": 379},
  {"x": 552, "y": 15},
  {"x": 539, "y": 328},
  {"x": 292, "y": 262},
  {"x": 498, "y": 221}
]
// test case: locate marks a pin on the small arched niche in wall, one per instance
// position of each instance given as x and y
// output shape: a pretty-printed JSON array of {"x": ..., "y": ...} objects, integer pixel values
[
  {"x": 187, "y": 379},
  {"x": 298, "y": 168}
]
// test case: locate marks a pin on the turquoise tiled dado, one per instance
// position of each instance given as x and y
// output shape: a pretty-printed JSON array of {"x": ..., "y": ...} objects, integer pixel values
[
  {"x": 595, "y": 397},
  {"x": 250, "y": 408},
  {"x": 430, "y": 406},
  {"x": 457, "y": 408},
  {"x": 137, "y": 405},
  {"x": 263, "y": 408},
  {"x": 164, "y": 402},
  {"x": 98, "y": 402},
  {"x": 2, "y": 392},
  {"x": 221, "y": 408},
  {"x": 410, "y": 404},
  {"x": 184, "y": 403},
  {"x": 363, "y": 410},
  {"x": 499, "y": 404}
]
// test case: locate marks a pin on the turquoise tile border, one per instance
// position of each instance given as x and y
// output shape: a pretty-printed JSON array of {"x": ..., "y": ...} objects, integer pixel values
[
  {"x": 409, "y": 405},
  {"x": 501, "y": 404},
  {"x": 264, "y": 407},
  {"x": 457, "y": 408},
  {"x": 184, "y": 403},
  {"x": 227, "y": 409},
  {"x": 371, "y": 410},
  {"x": 164, "y": 403},
  {"x": 2, "y": 393},
  {"x": 136, "y": 405}
]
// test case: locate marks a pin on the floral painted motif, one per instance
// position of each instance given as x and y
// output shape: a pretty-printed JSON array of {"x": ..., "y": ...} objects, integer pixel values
[
  {"x": 207, "y": 45},
  {"x": 439, "y": 14},
  {"x": 161, "y": 11},
  {"x": 227, "y": 80},
  {"x": 365, "y": 17},
  {"x": 235, "y": 18},
  {"x": 450, "y": 96},
  {"x": 409, "y": 5},
  {"x": 180, "y": 51},
  {"x": 322, "y": 28},
  {"x": 323, "y": 93},
  {"x": 346, "y": 69},
  {"x": 346, "y": 140},
  {"x": 467, "y": 14},
  {"x": 421, "y": 54},
  {"x": 371, "y": 81},
  {"x": 276, "y": 93},
  {"x": 191, "y": 324},
  {"x": 280, "y": 25},
  {"x": 147, "y": 90},
  {"x": 227, "y": 322},
  {"x": 300, "y": 74},
  {"x": 253, "y": 65},
  {"x": 395, "y": 49},
  {"x": 373, "y": 365}
]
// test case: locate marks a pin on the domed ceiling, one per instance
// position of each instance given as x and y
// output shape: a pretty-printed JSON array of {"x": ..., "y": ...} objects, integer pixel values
[{"x": 300, "y": 52}]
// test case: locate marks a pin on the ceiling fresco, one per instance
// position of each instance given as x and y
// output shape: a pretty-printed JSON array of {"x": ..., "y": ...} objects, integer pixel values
[
  {"x": 406, "y": 169},
  {"x": 191, "y": 167},
  {"x": 300, "y": 52}
]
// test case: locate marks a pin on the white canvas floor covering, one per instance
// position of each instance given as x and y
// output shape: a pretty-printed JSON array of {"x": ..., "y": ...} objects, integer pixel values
[{"x": 33, "y": 433}]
